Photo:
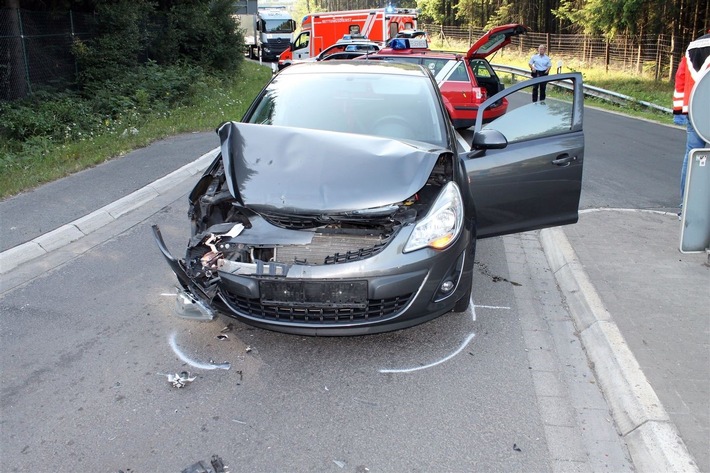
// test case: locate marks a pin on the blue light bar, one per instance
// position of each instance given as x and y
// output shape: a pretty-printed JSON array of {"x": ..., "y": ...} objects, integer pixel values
[{"x": 399, "y": 43}]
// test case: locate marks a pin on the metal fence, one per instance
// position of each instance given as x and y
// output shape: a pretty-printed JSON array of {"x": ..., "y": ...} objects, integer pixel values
[
  {"x": 35, "y": 47},
  {"x": 651, "y": 55}
]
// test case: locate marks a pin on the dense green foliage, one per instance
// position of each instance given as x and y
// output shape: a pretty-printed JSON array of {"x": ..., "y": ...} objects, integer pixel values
[{"x": 145, "y": 60}]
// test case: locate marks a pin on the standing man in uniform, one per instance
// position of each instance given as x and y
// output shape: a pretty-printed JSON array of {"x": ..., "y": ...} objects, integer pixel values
[
  {"x": 540, "y": 65},
  {"x": 693, "y": 65}
]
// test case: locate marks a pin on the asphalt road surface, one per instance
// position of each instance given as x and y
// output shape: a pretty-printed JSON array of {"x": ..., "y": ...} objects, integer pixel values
[{"x": 86, "y": 349}]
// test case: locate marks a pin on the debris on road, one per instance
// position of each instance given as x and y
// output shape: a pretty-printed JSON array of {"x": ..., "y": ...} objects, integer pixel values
[
  {"x": 180, "y": 380},
  {"x": 216, "y": 465},
  {"x": 222, "y": 337},
  {"x": 227, "y": 328}
]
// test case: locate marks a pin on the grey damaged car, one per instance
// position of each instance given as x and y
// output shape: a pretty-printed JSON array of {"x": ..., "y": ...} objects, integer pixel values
[{"x": 345, "y": 203}]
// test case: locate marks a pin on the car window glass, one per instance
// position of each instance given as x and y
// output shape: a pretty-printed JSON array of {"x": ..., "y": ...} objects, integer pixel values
[
  {"x": 434, "y": 64},
  {"x": 394, "y": 106},
  {"x": 459, "y": 74},
  {"x": 492, "y": 43},
  {"x": 264, "y": 111},
  {"x": 526, "y": 120},
  {"x": 481, "y": 68},
  {"x": 301, "y": 41}
]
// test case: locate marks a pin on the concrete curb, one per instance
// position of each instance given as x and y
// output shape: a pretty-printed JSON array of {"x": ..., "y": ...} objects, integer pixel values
[
  {"x": 71, "y": 232},
  {"x": 652, "y": 438}
]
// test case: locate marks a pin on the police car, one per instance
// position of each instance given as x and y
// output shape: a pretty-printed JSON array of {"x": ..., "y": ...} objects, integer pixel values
[{"x": 349, "y": 47}]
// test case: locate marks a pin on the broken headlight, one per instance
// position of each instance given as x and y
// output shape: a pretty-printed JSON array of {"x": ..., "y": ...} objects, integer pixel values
[{"x": 442, "y": 223}]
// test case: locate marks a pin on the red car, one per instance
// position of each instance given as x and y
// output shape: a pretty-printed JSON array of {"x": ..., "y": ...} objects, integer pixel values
[{"x": 466, "y": 81}]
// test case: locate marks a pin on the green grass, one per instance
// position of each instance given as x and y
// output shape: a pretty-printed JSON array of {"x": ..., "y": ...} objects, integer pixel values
[{"x": 44, "y": 161}]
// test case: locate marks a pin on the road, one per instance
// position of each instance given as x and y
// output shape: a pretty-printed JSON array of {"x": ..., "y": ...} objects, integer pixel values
[{"x": 86, "y": 348}]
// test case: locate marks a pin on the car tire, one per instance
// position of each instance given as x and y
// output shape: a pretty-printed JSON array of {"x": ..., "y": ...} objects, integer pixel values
[{"x": 463, "y": 303}]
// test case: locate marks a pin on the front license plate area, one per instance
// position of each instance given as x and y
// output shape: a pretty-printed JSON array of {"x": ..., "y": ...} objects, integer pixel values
[{"x": 314, "y": 293}]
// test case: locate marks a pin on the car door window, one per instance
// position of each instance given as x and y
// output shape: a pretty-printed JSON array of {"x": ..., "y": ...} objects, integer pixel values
[
  {"x": 534, "y": 180},
  {"x": 527, "y": 120},
  {"x": 302, "y": 40},
  {"x": 435, "y": 65},
  {"x": 459, "y": 74},
  {"x": 481, "y": 69}
]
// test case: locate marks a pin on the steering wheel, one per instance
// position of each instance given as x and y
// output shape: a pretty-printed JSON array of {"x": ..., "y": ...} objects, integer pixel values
[{"x": 392, "y": 126}]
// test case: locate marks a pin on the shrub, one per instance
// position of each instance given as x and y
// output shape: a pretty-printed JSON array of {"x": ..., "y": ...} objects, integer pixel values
[{"x": 201, "y": 33}]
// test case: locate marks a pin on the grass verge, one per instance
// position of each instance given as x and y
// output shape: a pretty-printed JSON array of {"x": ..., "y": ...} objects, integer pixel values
[{"x": 44, "y": 161}]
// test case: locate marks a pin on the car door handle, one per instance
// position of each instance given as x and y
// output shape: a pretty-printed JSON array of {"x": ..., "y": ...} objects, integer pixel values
[{"x": 564, "y": 160}]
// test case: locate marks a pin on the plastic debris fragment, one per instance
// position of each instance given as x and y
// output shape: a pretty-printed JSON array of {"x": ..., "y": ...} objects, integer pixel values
[
  {"x": 180, "y": 380},
  {"x": 215, "y": 465}
]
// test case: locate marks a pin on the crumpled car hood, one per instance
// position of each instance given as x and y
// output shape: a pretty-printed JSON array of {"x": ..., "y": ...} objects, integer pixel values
[{"x": 298, "y": 170}]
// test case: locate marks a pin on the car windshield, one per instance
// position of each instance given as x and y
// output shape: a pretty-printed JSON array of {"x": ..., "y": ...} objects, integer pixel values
[
  {"x": 388, "y": 105},
  {"x": 278, "y": 26}
]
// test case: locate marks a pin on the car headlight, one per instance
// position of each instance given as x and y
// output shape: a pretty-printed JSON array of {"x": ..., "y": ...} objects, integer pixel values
[{"x": 442, "y": 224}]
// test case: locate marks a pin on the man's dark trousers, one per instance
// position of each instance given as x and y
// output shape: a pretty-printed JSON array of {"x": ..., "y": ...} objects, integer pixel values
[{"x": 542, "y": 87}]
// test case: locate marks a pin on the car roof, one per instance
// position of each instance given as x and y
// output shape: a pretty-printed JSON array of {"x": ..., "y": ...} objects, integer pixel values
[{"x": 355, "y": 67}]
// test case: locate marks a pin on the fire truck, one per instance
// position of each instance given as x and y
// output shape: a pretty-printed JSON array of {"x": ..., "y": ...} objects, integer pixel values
[{"x": 320, "y": 30}]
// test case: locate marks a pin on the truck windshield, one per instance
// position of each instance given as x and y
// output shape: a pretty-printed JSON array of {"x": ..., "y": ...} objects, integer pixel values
[{"x": 278, "y": 26}]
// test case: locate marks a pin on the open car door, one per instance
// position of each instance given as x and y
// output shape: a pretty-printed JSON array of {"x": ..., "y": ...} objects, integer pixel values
[{"x": 525, "y": 167}]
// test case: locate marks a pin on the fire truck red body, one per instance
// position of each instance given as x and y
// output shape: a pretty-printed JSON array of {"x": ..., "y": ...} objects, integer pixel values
[{"x": 320, "y": 30}]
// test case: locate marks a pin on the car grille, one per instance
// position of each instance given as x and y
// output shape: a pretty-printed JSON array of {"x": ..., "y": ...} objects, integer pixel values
[
  {"x": 331, "y": 249},
  {"x": 373, "y": 310}
]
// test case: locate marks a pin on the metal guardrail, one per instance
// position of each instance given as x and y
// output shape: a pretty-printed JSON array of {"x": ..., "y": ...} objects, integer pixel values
[{"x": 590, "y": 90}]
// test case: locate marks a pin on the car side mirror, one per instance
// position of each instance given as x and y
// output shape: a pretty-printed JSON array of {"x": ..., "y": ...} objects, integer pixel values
[{"x": 489, "y": 139}]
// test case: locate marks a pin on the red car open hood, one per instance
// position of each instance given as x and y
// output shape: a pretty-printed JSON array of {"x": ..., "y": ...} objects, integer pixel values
[{"x": 494, "y": 40}]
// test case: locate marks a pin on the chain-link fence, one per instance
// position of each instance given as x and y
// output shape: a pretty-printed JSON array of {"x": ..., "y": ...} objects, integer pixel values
[
  {"x": 35, "y": 47},
  {"x": 651, "y": 55}
]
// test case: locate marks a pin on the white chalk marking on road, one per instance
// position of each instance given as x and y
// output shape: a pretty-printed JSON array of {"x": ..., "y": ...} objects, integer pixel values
[
  {"x": 472, "y": 305},
  {"x": 193, "y": 363},
  {"x": 612, "y": 209},
  {"x": 443, "y": 360}
]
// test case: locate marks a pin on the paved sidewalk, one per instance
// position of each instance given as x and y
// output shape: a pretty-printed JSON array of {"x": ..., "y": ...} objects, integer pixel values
[{"x": 640, "y": 301}]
